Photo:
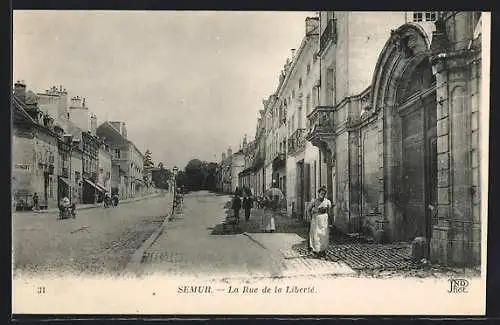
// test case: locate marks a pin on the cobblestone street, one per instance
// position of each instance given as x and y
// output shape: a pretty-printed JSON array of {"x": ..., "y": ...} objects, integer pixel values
[
  {"x": 99, "y": 241},
  {"x": 193, "y": 245},
  {"x": 202, "y": 242}
]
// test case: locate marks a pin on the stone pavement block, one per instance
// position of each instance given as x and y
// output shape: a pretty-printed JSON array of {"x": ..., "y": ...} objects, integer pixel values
[{"x": 308, "y": 266}]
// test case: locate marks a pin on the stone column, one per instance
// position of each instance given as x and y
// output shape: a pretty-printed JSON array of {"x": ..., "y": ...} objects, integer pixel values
[{"x": 452, "y": 235}]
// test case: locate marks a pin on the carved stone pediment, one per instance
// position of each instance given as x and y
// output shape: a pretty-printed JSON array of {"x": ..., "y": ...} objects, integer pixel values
[{"x": 408, "y": 42}]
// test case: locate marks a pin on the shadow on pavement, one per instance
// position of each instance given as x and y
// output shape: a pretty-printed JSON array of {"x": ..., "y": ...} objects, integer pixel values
[{"x": 229, "y": 226}]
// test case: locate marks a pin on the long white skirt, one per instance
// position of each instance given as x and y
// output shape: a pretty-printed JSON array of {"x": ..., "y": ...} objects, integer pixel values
[
  {"x": 319, "y": 233},
  {"x": 267, "y": 222}
]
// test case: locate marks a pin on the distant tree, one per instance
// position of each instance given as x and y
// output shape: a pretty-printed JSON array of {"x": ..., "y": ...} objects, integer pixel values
[
  {"x": 199, "y": 175},
  {"x": 163, "y": 176},
  {"x": 148, "y": 161}
]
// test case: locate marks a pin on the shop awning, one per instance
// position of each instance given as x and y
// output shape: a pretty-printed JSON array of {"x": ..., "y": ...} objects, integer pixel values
[
  {"x": 93, "y": 184},
  {"x": 102, "y": 188}
]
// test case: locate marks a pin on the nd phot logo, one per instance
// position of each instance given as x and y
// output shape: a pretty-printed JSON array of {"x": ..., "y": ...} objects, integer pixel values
[{"x": 458, "y": 285}]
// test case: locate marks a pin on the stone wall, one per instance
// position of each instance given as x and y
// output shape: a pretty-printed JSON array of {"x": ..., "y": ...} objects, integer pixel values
[{"x": 342, "y": 206}]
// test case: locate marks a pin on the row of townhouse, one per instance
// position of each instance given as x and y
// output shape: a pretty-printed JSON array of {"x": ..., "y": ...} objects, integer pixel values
[
  {"x": 58, "y": 151},
  {"x": 383, "y": 109},
  {"x": 227, "y": 171}
]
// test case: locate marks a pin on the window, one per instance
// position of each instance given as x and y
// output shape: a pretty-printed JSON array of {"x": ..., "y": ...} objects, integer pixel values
[
  {"x": 300, "y": 82},
  {"x": 419, "y": 16},
  {"x": 293, "y": 93},
  {"x": 308, "y": 68},
  {"x": 51, "y": 187},
  {"x": 117, "y": 153},
  {"x": 430, "y": 16}
]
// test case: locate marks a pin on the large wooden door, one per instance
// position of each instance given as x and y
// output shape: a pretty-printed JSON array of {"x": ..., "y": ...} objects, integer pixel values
[
  {"x": 419, "y": 183},
  {"x": 413, "y": 183}
]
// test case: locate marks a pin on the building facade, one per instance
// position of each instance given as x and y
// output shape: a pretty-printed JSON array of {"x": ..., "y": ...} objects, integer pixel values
[
  {"x": 135, "y": 171},
  {"x": 237, "y": 165},
  {"x": 260, "y": 156},
  {"x": 35, "y": 153},
  {"x": 247, "y": 176},
  {"x": 127, "y": 161},
  {"x": 90, "y": 149},
  {"x": 117, "y": 142},
  {"x": 298, "y": 92},
  {"x": 401, "y": 144},
  {"x": 105, "y": 166}
]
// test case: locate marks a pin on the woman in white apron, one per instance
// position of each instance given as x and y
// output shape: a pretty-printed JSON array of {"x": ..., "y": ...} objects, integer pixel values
[
  {"x": 319, "y": 232},
  {"x": 267, "y": 222}
]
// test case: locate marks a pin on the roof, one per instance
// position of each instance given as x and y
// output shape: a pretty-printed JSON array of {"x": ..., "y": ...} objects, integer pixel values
[
  {"x": 130, "y": 142},
  {"x": 108, "y": 126},
  {"x": 19, "y": 107}
]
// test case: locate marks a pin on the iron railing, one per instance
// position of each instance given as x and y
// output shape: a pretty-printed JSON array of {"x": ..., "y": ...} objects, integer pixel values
[
  {"x": 297, "y": 141},
  {"x": 321, "y": 120},
  {"x": 329, "y": 34}
]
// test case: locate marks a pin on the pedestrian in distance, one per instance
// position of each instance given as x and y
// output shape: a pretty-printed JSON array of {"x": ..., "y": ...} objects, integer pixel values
[
  {"x": 236, "y": 205},
  {"x": 270, "y": 206},
  {"x": 247, "y": 203},
  {"x": 319, "y": 231},
  {"x": 36, "y": 206}
]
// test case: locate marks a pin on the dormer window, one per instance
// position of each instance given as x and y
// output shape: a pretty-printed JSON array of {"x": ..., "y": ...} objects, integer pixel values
[{"x": 420, "y": 16}]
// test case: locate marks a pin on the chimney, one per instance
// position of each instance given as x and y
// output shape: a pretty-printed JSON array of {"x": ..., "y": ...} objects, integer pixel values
[
  {"x": 76, "y": 102},
  {"x": 20, "y": 90},
  {"x": 293, "y": 53},
  {"x": 312, "y": 26},
  {"x": 245, "y": 142},
  {"x": 83, "y": 102},
  {"x": 93, "y": 124},
  {"x": 229, "y": 152},
  {"x": 223, "y": 156}
]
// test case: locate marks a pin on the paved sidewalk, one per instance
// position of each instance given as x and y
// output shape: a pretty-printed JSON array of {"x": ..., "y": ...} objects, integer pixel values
[
  {"x": 348, "y": 252},
  {"x": 89, "y": 206},
  {"x": 298, "y": 265}
]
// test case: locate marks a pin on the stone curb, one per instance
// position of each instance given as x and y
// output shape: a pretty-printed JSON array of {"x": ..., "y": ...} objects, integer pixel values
[
  {"x": 97, "y": 205},
  {"x": 252, "y": 238},
  {"x": 133, "y": 266}
]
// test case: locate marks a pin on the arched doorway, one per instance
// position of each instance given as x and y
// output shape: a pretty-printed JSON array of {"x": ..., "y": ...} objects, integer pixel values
[{"x": 404, "y": 92}]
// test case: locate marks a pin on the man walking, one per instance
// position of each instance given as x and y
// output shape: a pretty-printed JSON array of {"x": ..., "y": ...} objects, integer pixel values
[
  {"x": 236, "y": 205},
  {"x": 247, "y": 203},
  {"x": 36, "y": 207}
]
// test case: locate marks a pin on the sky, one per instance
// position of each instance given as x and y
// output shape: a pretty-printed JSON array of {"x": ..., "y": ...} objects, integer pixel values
[{"x": 187, "y": 84}]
